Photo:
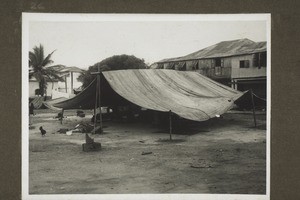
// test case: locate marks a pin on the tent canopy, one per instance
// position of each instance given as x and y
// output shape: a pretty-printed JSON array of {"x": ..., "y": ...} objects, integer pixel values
[
  {"x": 49, "y": 104},
  {"x": 187, "y": 94}
]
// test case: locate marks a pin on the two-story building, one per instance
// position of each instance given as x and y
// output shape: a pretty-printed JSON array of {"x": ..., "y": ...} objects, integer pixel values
[
  {"x": 240, "y": 64},
  {"x": 70, "y": 85},
  {"x": 55, "y": 88}
]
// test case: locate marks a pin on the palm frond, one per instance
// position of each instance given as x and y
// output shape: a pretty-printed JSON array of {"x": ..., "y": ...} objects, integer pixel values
[
  {"x": 38, "y": 62},
  {"x": 38, "y": 52},
  {"x": 32, "y": 59},
  {"x": 48, "y": 60},
  {"x": 52, "y": 74}
]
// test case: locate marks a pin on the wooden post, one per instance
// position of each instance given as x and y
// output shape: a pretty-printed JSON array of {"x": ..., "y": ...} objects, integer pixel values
[
  {"x": 99, "y": 91},
  {"x": 95, "y": 109},
  {"x": 253, "y": 107},
  {"x": 62, "y": 116},
  {"x": 66, "y": 84},
  {"x": 98, "y": 88},
  {"x": 259, "y": 61},
  {"x": 170, "y": 118},
  {"x": 29, "y": 117},
  {"x": 72, "y": 92}
]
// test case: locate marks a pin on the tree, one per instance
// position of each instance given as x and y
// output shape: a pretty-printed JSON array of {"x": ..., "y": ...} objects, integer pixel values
[
  {"x": 117, "y": 62},
  {"x": 40, "y": 71}
]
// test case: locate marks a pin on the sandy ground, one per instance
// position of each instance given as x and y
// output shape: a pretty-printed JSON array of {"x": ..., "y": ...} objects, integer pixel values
[{"x": 224, "y": 155}]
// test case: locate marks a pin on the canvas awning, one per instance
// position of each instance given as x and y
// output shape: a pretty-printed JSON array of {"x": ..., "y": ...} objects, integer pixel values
[
  {"x": 187, "y": 94},
  {"x": 49, "y": 104}
]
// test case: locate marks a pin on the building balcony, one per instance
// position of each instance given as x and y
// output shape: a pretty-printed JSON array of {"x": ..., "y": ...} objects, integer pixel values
[
  {"x": 249, "y": 72},
  {"x": 228, "y": 72},
  {"x": 216, "y": 72}
]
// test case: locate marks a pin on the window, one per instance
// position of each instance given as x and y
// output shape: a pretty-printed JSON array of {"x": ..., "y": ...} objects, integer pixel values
[
  {"x": 182, "y": 67},
  {"x": 195, "y": 66},
  {"x": 256, "y": 60},
  {"x": 244, "y": 63},
  {"x": 263, "y": 59},
  {"x": 260, "y": 60},
  {"x": 218, "y": 62},
  {"x": 160, "y": 65},
  {"x": 171, "y": 65}
]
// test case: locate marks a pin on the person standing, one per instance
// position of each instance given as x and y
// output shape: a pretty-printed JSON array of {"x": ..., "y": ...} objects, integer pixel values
[{"x": 31, "y": 109}]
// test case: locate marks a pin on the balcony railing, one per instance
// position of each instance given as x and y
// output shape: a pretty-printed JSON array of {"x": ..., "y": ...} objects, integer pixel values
[
  {"x": 248, "y": 72},
  {"x": 216, "y": 72},
  {"x": 228, "y": 72}
]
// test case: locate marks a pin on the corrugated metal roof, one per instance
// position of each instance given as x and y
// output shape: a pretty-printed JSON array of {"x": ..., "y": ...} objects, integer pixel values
[
  {"x": 223, "y": 49},
  {"x": 188, "y": 94}
]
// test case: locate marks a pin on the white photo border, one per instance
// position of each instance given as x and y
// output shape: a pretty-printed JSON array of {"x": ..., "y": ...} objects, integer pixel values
[{"x": 76, "y": 17}]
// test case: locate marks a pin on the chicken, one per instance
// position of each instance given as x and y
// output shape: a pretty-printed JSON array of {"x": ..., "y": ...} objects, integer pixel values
[{"x": 43, "y": 132}]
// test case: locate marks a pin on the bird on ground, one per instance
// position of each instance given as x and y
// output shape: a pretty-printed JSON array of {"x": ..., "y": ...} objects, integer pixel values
[{"x": 43, "y": 132}]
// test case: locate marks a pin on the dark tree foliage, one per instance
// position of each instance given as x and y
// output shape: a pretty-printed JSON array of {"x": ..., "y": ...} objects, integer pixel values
[{"x": 117, "y": 62}]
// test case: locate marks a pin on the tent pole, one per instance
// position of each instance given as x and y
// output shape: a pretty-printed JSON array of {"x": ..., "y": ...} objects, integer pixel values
[
  {"x": 72, "y": 92},
  {"x": 62, "y": 116},
  {"x": 66, "y": 83},
  {"x": 170, "y": 118},
  {"x": 29, "y": 119},
  {"x": 95, "y": 109},
  {"x": 99, "y": 91},
  {"x": 253, "y": 107}
]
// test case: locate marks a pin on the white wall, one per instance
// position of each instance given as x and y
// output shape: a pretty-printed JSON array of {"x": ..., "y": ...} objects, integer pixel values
[
  {"x": 76, "y": 84},
  {"x": 252, "y": 71},
  {"x": 57, "y": 94},
  {"x": 33, "y": 85}
]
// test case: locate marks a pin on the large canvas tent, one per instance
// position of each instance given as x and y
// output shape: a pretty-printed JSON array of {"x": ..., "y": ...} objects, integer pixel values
[{"x": 190, "y": 95}]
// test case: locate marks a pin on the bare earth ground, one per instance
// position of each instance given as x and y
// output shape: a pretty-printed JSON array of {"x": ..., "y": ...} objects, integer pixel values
[{"x": 223, "y": 155}]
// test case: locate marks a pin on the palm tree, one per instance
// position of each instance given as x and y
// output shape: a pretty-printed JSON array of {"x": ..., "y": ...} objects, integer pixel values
[{"x": 40, "y": 69}]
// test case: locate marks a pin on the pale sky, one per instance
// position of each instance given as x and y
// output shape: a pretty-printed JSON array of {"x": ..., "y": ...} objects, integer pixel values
[{"x": 83, "y": 44}]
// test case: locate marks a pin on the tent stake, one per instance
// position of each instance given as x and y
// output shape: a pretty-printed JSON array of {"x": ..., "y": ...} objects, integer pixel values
[
  {"x": 170, "y": 117},
  {"x": 253, "y": 107}
]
